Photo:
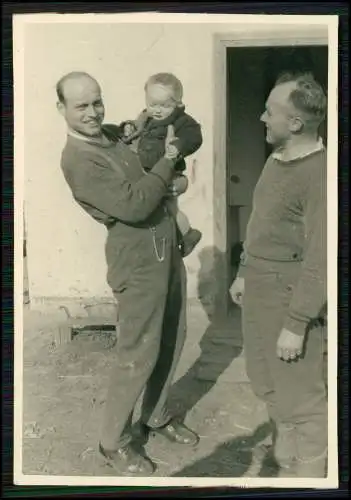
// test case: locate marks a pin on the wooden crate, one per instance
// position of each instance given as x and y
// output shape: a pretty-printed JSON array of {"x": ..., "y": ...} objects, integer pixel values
[{"x": 99, "y": 318}]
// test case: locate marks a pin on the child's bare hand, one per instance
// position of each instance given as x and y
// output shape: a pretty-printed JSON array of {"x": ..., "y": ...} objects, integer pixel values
[{"x": 172, "y": 151}]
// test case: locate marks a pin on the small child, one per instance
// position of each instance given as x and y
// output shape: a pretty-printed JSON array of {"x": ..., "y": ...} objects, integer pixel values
[{"x": 146, "y": 136}]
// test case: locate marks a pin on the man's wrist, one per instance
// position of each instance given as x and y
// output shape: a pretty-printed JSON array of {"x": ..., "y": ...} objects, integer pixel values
[
  {"x": 295, "y": 326},
  {"x": 172, "y": 161}
]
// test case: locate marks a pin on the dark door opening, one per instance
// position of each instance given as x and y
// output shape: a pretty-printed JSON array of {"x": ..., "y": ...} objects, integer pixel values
[{"x": 251, "y": 74}]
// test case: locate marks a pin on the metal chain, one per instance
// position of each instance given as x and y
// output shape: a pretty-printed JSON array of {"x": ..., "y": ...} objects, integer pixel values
[{"x": 159, "y": 257}]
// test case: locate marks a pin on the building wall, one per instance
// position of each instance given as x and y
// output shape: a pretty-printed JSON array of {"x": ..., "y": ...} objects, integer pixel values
[{"x": 65, "y": 247}]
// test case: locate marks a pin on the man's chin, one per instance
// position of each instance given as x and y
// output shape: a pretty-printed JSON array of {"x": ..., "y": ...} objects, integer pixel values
[
  {"x": 93, "y": 133},
  {"x": 269, "y": 139},
  {"x": 273, "y": 142}
]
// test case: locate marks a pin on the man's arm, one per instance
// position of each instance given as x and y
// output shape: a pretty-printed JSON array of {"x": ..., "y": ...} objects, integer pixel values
[
  {"x": 100, "y": 186},
  {"x": 189, "y": 137},
  {"x": 310, "y": 294}
]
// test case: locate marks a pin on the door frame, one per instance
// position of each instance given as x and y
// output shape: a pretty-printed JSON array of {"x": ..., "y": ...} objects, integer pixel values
[{"x": 252, "y": 36}]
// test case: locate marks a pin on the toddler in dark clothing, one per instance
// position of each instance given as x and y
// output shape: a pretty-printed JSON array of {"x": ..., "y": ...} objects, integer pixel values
[{"x": 146, "y": 136}]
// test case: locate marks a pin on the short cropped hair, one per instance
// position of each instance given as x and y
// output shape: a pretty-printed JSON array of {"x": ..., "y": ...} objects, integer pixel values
[
  {"x": 308, "y": 96},
  {"x": 69, "y": 76},
  {"x": 167, "y": 80}
]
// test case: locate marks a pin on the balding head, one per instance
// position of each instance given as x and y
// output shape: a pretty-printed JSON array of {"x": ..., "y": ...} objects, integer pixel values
[
  {"x": 296, "y": 106},
  {"x": 281, "y": 93},
  {"x": 74, "y": 83},
  {"x": 80, "y": 102},
  {"x": 305, "y": 95}
]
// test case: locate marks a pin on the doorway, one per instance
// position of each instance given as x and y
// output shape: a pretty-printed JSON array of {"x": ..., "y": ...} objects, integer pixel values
[{"x": 249, "y": 73}]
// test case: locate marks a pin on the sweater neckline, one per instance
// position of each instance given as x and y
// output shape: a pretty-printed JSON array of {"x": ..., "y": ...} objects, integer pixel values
[
  {"x": 297, "y": 161},
  {"x": 90, "y": 142},
  {"x": 278, "y": 155}
]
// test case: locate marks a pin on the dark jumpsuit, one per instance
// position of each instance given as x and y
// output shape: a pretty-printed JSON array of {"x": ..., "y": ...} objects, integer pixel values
[{"x": 145, "y": 272}]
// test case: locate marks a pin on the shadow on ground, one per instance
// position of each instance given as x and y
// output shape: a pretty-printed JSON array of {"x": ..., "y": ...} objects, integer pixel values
[
  {"x": 217, "y": 352},
  {"x": 236, "y": 458}
]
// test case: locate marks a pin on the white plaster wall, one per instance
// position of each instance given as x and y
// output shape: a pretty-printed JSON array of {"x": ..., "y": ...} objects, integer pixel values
[{"x": 65, "y": 246}]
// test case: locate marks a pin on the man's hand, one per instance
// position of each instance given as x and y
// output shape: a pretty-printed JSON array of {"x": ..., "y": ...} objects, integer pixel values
[
  {"x": 237, "y": 291},
  {"x": 171, "y": 150},
  {"x": 289, "y": 345},
  {"x": 173, "y": 190},
  {"x": 180, "y": 184}
]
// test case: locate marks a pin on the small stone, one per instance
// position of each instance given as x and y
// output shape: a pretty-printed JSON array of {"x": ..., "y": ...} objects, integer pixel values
[
  {"x": 32, "y": 430},
  {"x": 223, "y": 413},
  {"x": 209, "y": 420},
  {"x": 86, "y": 452}
]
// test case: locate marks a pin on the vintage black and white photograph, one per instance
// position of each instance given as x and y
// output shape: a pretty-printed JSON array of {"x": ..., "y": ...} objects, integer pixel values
[{"x": 176, "y": 265}]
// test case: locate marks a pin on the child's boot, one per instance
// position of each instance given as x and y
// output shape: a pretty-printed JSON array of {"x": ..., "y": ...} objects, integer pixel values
[{"x": 189, "y": 241}]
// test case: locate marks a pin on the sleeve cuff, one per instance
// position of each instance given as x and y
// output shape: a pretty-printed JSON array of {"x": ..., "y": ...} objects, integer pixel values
[
  {"x": 164, "y": 170},
  {"x": 295, "y": 326},
  {"x": 241, "y": 271}
]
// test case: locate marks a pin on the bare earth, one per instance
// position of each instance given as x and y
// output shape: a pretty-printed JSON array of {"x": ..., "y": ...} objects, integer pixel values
[{"x": 64, "y": 390}]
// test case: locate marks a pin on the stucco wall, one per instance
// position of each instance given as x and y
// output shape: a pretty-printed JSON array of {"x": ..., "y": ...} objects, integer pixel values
[{"x": 65, "y": 247}]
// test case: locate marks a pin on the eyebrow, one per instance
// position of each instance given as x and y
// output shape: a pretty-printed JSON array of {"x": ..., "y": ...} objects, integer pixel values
[
  {"x": 82, "y": 104},
  {"x": 158, "y": 101}
]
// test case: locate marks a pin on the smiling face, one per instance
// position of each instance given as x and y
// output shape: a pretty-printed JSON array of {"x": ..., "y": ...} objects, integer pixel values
[
  {"x": 281, "y": 118},
  {"x": 83, "y": 107},
  {"x": 160, "y": 102}
]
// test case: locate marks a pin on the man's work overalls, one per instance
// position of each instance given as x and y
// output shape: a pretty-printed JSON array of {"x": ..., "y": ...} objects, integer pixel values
[{"x": 145, "y": 272}]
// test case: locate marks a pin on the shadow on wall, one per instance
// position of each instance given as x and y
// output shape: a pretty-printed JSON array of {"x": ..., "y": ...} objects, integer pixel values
[
  {"x": 210, "y": 265},
  {"x": 234, "y": 459},
  {"x": 220, "y": 344}
]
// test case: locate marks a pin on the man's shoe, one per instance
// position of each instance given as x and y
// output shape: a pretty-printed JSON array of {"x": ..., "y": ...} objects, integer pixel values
[
  {"x": 126, "y": 461},
  {"x": 176, "y": 432},
  {"x": 189, "y": 241}
]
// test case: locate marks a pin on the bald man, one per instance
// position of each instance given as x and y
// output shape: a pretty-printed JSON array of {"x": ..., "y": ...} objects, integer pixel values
[
  {"x": 282, "y": 281},
  {"x": 144, "y": 269}
]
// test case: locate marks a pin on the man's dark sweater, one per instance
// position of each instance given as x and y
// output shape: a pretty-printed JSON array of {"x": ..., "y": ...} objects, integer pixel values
[
  {"x": 289, "y": 223},
  {"x": 151, "y": 143},
  {"x": 109, "y": 183}
]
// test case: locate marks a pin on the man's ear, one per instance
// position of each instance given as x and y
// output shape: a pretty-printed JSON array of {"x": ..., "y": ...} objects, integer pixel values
[
  {"x": 296, "y": 124},
  {"x": 60, "y": 107}
]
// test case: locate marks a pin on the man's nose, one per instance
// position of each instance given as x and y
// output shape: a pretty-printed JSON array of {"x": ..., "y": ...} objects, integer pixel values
[
  {"x": 263, "y": 117},
  {"x": 91, "y": 111}
]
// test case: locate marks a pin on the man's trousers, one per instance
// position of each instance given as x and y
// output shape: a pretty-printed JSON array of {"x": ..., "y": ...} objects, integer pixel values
[
  {"x": 152, "y": 328},
  {"x": 295, "y": 392}
]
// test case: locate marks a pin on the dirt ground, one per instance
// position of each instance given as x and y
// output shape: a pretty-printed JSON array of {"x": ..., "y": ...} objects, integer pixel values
[{"x": 64, "y": 391}]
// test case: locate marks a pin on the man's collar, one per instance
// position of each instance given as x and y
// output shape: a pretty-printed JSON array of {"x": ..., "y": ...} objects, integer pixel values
[
  {"x": 77, "y": 135},
  {"x": 82, "y": 137},
  {"x": 279, "y": 154}
]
